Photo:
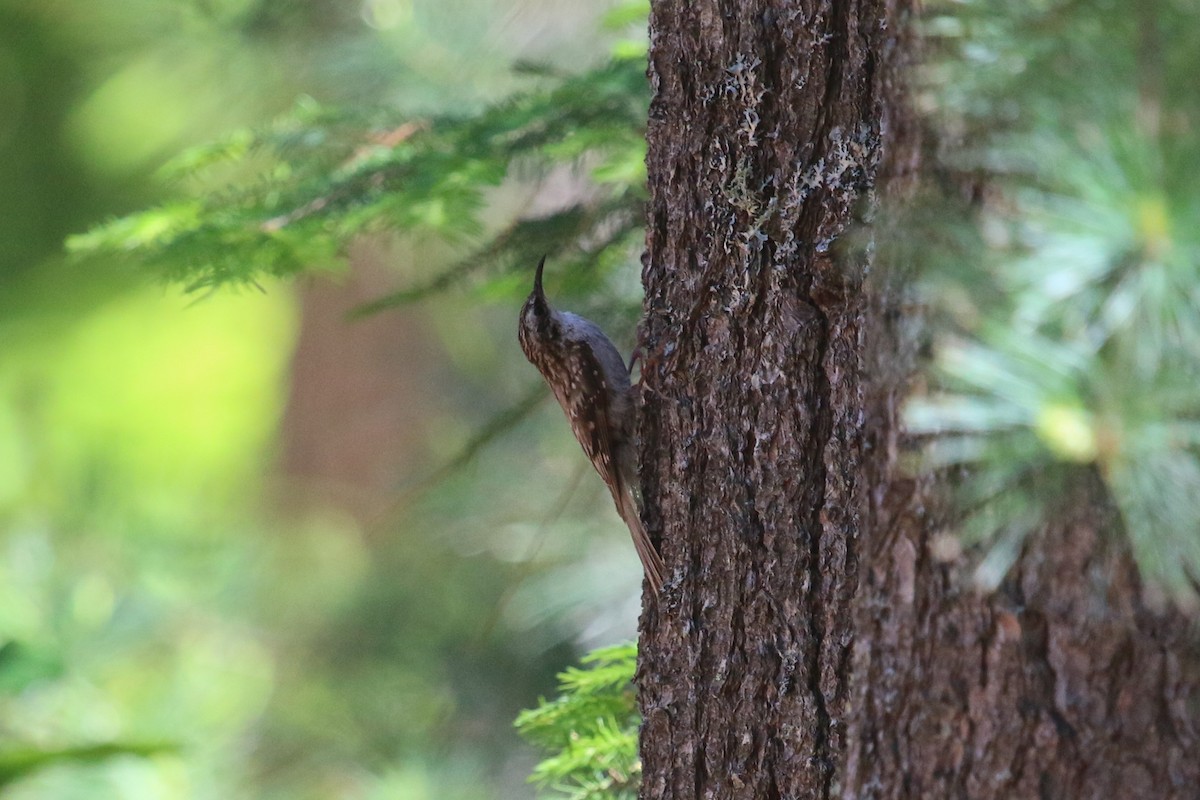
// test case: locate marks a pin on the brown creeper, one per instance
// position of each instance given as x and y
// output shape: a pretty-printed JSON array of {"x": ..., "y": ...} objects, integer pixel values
[{"x": 591, "y": 382}]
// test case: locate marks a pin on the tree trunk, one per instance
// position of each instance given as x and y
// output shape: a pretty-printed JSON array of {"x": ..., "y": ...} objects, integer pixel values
[{"x": 809, "y": 642}]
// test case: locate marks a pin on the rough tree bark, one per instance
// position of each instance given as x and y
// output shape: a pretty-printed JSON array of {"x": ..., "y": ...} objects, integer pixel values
[{"x": 809, "y": 644}]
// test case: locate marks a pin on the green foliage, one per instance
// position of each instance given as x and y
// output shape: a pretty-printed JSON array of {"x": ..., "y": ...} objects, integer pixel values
[
  {"x": 1069, "y": 321},
  {"x": 590, "y": 730},
  {"x": 288, "y": 197},
  {"x": 16, "y": 764},
  {"x": 143, "y": 602},
  {"x": 147, "y": 592}
]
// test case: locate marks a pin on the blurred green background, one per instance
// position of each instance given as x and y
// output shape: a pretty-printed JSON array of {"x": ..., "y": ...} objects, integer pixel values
[{"x": 222, "y": 573}]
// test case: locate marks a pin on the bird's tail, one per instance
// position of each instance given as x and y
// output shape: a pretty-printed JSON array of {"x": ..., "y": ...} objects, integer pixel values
[{"x": 651, "y": 561}]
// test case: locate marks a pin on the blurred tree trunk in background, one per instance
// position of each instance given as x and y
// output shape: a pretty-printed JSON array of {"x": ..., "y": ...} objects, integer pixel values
[
  {"x": 812, "y": 640},
  {"x": 354, "y": 427}
]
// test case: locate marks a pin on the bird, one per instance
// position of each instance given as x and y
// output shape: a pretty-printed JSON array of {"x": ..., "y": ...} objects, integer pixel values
[{"x": 591, "y": 382}]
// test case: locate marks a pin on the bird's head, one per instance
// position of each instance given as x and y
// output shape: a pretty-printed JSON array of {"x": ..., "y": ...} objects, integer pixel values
[{"x": 537, "y": 318}]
